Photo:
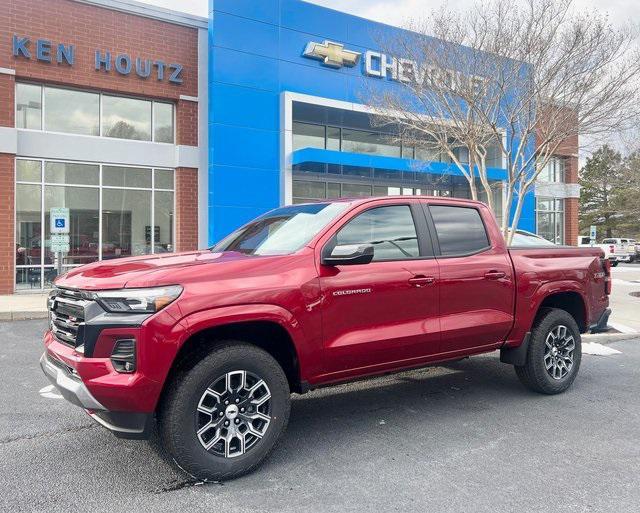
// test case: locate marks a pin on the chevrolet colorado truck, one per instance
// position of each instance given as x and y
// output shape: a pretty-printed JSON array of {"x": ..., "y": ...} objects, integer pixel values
[{"x": 209, "y": 345}]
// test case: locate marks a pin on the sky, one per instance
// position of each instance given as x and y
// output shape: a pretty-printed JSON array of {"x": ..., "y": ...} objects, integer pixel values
[{"x": 397, "y": 12}]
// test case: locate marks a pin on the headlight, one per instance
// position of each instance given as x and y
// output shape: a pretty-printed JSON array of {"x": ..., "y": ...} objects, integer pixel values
[{"x": 137, "y": 300}]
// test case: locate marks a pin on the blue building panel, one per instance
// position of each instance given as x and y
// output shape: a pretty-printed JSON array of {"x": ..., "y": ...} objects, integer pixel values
[
  {"x": 231, "y": 32},
  {"x": 245, "y": 107},
  {"x": 242, "y": 69},
  {"x": 256, "y": 58},
  {"x": 267, "y": 11}
]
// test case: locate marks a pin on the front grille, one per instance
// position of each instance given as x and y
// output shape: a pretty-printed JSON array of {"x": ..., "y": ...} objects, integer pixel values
[{"x": 67, "y": 315}]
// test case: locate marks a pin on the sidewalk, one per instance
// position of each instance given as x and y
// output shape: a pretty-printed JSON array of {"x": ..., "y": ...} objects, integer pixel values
[{"x": 23, "y": 306}]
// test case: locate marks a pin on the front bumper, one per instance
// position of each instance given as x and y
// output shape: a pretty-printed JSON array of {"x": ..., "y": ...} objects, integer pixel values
[
  {"x": 68, "y": 383},
  {"x": 133, "y": 425}
]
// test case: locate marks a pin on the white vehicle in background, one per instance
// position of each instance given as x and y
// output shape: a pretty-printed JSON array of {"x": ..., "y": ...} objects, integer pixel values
[{"x": 615, "y": 249}]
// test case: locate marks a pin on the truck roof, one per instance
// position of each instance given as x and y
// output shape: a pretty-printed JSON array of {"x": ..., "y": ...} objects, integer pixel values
[{"x": 360, "y": 200}]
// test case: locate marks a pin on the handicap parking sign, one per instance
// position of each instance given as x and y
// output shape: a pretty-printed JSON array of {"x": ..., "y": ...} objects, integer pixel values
[{"x": 59, "y": 220}]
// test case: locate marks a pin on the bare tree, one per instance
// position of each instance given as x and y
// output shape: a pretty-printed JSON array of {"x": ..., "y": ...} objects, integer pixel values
[{"x": 522, "y": 77}]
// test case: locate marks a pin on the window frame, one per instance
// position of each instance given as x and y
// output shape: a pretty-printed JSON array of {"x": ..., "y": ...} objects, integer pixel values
[
  {"x": 426, "y": 205},
  {"x": 43, "y": 183},
  {"x": 101, "y": 94},
  {"x": 425, "y": 246},
  {"x": 558, "y": 209}
]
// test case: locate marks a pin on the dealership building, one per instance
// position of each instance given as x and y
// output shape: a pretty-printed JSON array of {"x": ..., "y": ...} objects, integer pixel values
[{"x": 155, "y": 131}]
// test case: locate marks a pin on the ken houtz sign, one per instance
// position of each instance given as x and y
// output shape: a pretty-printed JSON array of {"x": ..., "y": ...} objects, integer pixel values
[
  {"x": 44, "y": 50},
  {"x": 377, "y": 64}
]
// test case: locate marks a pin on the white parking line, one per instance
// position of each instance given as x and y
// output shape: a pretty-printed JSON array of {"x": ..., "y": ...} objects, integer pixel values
[
  {"x": 50, "y": 392},
  {"x": 621, "y": 327},
  {"x": 598, "y": 349}
]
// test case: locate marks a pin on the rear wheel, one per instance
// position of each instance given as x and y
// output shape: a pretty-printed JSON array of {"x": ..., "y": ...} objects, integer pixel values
[
  {"x": 223, "y": 417},
  {"x": 554, "y": 353}
]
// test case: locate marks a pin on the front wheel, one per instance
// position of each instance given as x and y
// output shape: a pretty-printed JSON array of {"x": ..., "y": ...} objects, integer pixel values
[
  {"x": 554, "y": 353},
  {"x": 223, "y": 417}
]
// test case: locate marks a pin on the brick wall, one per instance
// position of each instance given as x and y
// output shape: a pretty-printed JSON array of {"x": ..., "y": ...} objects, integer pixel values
[
  {"x": 7, "y": 227},
  {"x": 187, "y": 123},
  {"x": 186, "y": 209},
  {"x": 7, "y": 101},
  {"x": 571, "y": 222},
  {"x": 92, "y": 28}
]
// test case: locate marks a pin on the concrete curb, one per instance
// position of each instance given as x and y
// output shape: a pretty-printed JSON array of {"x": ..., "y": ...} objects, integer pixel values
[
  {"x": 609, "y": 338},
  {"x": 22, "y": 316}
]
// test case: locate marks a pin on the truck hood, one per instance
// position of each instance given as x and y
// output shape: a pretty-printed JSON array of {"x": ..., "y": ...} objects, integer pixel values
[{"x": 154, "y": 270}]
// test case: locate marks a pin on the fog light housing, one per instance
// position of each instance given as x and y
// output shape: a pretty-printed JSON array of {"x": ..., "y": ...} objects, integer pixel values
[{"x": 123, "y": 356}]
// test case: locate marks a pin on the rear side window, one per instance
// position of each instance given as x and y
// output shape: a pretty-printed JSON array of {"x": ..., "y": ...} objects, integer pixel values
[
  {"x": 460, "y": 230},
  {"x": 390, "y": 230}
]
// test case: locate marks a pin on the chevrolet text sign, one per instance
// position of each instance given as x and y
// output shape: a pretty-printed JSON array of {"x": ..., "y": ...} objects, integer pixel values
[{"x": 380, "y": 65}]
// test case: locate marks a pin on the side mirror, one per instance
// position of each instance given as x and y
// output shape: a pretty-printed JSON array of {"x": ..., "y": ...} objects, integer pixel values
[{"x": 349, "y": 254}]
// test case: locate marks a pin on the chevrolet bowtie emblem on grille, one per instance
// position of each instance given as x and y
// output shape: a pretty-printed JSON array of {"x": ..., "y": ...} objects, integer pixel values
[{"x": 331, "y": 54}]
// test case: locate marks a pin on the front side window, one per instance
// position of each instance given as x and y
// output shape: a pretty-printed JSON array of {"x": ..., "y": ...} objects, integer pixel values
[
  {"x": 126, "y": 118},
  {"x": 460, "y": 230},
  {"x": 71, "y": 112},
  {"x": 390, "y": 230},
  {"x": 281, "y": 231}
]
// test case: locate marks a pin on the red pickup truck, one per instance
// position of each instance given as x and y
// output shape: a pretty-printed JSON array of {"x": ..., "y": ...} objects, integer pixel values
[{"x": 210, "y": 344}]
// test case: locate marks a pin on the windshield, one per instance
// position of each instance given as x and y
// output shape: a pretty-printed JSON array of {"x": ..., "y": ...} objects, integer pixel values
[
  {"x": 522, "y": 238},
  {"x": 281, "y": 231}
]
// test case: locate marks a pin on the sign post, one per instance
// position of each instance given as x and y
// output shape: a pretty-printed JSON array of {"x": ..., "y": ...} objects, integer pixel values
[
  {"x": 592, "y": 234},
  {"x": 59, "y": 234}
]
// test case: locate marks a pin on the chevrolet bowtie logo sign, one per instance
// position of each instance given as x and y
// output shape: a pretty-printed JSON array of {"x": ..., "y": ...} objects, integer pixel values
[{"x": 331, "y": 54}]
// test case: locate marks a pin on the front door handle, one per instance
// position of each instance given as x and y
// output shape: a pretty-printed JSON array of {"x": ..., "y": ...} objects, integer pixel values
[
  {"x": 421, "y": 281},
  {"x": 494, "y": 275}
]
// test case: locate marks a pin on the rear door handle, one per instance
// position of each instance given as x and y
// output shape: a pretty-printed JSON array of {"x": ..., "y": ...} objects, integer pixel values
[
  {"x": 494, "y": 275},
  {"x": 421, "y": 281}
]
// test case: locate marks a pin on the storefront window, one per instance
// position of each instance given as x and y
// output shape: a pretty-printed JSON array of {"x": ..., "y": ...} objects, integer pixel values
[
  {"x": 162, "y": 122},
  {"x": 71, "y": 173},
  {"x": 118, "y": 176},
  {"x": 82, "y": 203},
  {"x": 306, "y": 135},
  {"x": 359, "y": 141},
  {"x": 80, "y": 112},
  {"x": 126, "y": 118},
  {"x": 29, "y": 106},
  {"x": 163, "y": 179},
  {"x": 550, "y": 219},
  {"x": 28, "y": 171},
  {"x": 554, "y": 171},
  {"x": 126, "y": 223},
  {"x": 72, "y": 112},
  {"x": 125, "y": 216},
  {"x": 28, "y": 235},
  {"x": 163, "y": 212}
]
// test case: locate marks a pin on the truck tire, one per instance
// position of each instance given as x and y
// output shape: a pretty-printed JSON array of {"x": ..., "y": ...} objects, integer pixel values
[
  {"x": 221, "y": 418},
  {"x": 554, "y": 353},
  {"x": 614, "y": 264}
]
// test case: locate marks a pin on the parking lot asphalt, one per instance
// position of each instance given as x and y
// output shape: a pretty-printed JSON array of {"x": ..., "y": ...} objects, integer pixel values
[{"x": 466, "y": 437}]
